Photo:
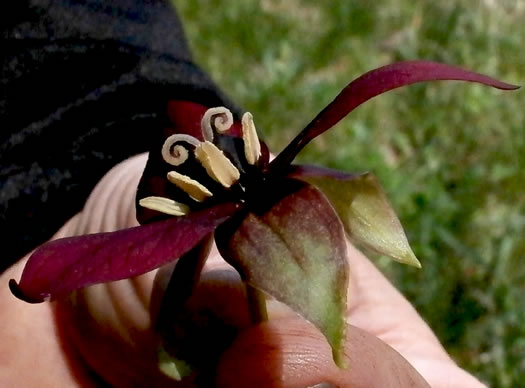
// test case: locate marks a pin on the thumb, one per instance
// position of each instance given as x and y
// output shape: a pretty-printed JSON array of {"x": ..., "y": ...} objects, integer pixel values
[
  {"x": 290, "y": 353},
  {"x": 285, "y": 351}
]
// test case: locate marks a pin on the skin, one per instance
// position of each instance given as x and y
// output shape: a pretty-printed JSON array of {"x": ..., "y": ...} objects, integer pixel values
[{"x": 104, "y": 332}]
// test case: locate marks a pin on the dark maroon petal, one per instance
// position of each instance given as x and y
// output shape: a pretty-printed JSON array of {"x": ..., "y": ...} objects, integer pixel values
[
  {"x": 62, "y": 266},
  {"x": 305, "y": 171},
  {"x": 296, "y": 252},
  {"x": 372, "y": 84}
]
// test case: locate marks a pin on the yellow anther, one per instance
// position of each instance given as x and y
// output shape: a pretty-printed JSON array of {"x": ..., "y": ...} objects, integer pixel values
[
  {"x": 219, "y": 119},
  {"x": 190, "y": 186},
  {"x": 252, "y": 147},
  {"x": 165, "y": 205},
  {"x": 217, "y": 165}
]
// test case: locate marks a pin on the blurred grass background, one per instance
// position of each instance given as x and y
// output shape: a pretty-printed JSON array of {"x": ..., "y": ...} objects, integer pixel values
[{"x": 450, "y": 155}]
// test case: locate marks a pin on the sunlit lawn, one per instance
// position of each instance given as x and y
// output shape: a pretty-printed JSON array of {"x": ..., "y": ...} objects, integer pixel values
[{"x": 451, "y": 156}]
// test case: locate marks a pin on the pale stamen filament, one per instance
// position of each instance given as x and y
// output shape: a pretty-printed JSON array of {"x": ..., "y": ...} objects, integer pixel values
[
  {"x": 218, "y": 119},
  {"x": 176, "y": 154},
  {"x": 165, "y": 205},
  {"x": 252, "y": 146},
  {"x": 217, "y": 165},
  {"x": 190, "y": 186}
]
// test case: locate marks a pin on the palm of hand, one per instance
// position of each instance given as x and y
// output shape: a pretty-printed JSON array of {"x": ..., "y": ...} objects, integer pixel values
[{"x": 108, "y": 326}]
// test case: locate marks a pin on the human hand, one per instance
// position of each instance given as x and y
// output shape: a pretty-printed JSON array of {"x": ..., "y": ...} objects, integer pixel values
[{"x": 105, "y": 332}]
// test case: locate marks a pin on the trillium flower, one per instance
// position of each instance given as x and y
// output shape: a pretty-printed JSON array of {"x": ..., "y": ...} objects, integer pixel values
[{"x": 280, "y": 225}]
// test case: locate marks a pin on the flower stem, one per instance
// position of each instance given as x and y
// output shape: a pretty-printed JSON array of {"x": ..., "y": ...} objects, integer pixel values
[
  {"x": 182, "y": 282},
  {"x": 256, "y": 304}
]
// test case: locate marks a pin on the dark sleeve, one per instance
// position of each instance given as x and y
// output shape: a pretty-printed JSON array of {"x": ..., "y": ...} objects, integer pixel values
[{"x": 83, "y": 84}]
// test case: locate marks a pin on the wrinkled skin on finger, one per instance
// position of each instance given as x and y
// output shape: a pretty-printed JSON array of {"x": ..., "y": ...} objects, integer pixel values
[{"x": 105, "y": 332}]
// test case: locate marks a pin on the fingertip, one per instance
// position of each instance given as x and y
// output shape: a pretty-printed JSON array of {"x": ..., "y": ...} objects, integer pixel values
[{"x": 292, "y": 353}]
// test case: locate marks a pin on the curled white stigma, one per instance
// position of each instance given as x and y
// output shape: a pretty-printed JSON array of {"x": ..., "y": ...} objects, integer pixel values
[
  {"x": 219, "y": 118},
  {"x": 252, "y": 146},
  {"x": 165, "y": 205},
  {"x": 177, "y": 154},
  {"x": 190, "y": 186},
  {"x": 217, "y": 165}
]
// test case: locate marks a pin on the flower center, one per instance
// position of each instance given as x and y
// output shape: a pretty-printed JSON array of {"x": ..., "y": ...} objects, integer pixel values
[{"x": 218, "y": 166}]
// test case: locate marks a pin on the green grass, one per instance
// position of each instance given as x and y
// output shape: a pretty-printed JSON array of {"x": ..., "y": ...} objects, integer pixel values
[{"x": 450, "y": 155}]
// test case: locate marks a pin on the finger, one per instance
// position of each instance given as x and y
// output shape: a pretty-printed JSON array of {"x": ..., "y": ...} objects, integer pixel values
[
  {"x": 221, "y": 293},
  {"x": 111, "y": 204},
  {"x": 109, "y": 327},
  {"x": 32, "y": 353},
  {"x": 287, "y": 351},
  {"x": 291, "y": 353},
  {"x": 31, "y": 334},
  {"x": 378, "y": 307}
]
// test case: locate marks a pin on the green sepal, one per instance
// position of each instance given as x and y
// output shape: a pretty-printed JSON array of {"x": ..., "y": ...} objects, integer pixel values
[
  {"x": 364, "y": 209},
  {"x": 295, "y": 251}
]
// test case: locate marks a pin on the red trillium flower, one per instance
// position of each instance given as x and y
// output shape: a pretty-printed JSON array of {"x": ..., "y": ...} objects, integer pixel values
[{"x": 281, "y": 226}]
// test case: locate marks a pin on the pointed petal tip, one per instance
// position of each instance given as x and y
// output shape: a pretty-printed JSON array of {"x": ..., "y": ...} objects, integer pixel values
[
  {"x": 506, "y": 86},
  {"x": 339, "y": 358},
  {"x": 20, "y": 294},
  {"x": 409, "y": 259},
  {"x": 172, "y": 367}
]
